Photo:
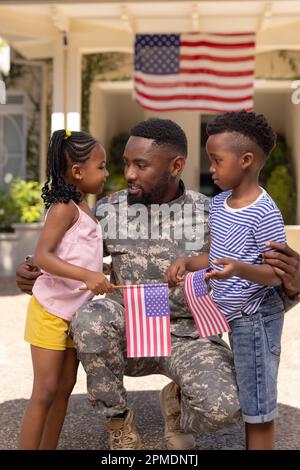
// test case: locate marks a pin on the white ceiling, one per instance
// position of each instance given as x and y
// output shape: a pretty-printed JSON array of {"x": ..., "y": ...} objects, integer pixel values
[
  {"x": 278, "y": 10},
  {"x": 277, "y": 23}
]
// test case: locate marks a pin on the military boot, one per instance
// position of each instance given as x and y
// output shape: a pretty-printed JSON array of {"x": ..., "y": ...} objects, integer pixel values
[
  {"x": 174, "y": 437},
  {"x": 123, "y": 434}
]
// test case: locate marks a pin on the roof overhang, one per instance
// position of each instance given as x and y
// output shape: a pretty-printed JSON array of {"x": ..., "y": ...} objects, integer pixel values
[{"x": 32, "y": 27}]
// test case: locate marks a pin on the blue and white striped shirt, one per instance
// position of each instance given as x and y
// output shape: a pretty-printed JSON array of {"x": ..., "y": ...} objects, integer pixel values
[{"x": 241, "y": 234}]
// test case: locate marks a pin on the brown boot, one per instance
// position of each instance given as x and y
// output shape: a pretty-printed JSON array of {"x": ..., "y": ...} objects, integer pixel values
[
  {"x": 123, "y": 434},
  {"x": 174, "y": 438}
]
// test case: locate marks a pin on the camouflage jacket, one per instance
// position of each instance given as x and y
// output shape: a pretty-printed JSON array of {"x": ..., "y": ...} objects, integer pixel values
[{"x": 143, "y": 243}]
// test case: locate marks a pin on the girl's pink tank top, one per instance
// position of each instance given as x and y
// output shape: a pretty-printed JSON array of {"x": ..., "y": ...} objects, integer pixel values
[{"x": 81, "y": 245}]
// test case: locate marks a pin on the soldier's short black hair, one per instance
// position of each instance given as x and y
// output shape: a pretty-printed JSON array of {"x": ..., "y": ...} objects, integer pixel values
[
  {"x": 249, "y": 124},
  {"x": 164, "y": 132}
]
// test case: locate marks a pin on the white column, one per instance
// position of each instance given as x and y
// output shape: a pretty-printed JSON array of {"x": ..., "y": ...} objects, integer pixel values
[
  {"x": 295, "y": 124},
  {"x": 73, "y": 83},
  {"x": 190, "y": 123},
  {"x": 58, "y": 97},
  {"x": 43, "y": 124}
]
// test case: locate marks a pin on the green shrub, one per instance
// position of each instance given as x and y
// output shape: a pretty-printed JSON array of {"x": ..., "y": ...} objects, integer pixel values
[
  {"x": 280, "y": 188},
  {"x": 116, "y": 180},
  {"x": 277, "y": 178},
  {"x": 9, "y": 212},
  {"x": 279, "y": 156},
  {"x": 27, "y": 196},
  {"x": 116, "y": 151},
  {"x": 21, "y": 203}
]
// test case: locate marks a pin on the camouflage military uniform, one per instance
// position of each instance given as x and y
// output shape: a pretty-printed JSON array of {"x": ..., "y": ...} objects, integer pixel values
[{"x": 202, "y": 367}]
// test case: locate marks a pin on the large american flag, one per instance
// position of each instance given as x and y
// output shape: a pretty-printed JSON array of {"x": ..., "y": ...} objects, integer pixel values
[
  {"x": 195, "y": 71},
  {"x": 208, "y": 317},
  {"x": 147, "y": 317}
]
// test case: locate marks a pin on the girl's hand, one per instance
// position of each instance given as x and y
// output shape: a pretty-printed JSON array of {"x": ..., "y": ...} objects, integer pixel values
[
  {"x": 231, "y": 268},
  {"x": 174, "y": 274},
  {"x": 98, "y": 283}
]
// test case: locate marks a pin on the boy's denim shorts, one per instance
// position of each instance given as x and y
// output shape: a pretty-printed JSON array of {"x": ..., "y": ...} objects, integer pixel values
[{"x": 255, "y": 342}]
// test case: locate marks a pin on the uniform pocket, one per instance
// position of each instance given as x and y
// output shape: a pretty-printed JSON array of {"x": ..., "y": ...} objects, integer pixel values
[{"x": 236, "y": 238}]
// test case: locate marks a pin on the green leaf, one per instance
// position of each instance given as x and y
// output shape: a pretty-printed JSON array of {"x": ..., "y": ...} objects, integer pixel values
[
  {"x": 280, "y": 188},
  {"x": 22, "y": 202}
]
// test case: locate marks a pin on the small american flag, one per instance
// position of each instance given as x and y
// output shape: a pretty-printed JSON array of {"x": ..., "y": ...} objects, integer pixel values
[
  {"x": 208, "y": 317},
  {"x": 196, "y": 71},
  {"x": 147, "y": 317}
]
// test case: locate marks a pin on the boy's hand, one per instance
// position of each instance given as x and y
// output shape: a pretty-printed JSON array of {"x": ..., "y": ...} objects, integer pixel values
[
  {"x": 98, "y": 283},
  {"x": 174, "y": 274},
  {"x": 231, "y": 268}
]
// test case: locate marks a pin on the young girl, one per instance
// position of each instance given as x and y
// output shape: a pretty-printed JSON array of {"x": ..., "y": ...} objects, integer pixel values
[
  {"x": 69, "y": 253},
  {"x": 242, "y": 220}
]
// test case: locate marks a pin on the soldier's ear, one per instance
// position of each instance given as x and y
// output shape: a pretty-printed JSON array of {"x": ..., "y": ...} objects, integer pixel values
[{"x": 177, "y": 165}]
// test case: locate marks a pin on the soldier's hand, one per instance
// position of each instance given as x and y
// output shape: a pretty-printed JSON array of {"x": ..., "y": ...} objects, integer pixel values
[
  {"x": 175, "y": 272},
  {"x": 26, "y": 275},
  {"x": 286, "y": 264}
]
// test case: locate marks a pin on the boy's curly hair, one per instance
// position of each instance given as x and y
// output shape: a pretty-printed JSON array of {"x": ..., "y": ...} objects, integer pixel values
[{"x": 252, "y": 125}]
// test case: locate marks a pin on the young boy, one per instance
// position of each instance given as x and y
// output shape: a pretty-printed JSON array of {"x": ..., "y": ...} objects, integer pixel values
[{"x": 242, "y": 220}]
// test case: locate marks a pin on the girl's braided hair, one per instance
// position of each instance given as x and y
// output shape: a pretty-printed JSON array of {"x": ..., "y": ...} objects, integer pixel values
[{"x": 65, "y": 147}]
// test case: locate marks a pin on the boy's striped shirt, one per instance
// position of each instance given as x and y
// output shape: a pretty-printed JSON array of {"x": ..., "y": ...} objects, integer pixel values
[{"x": 242, "y": 234}]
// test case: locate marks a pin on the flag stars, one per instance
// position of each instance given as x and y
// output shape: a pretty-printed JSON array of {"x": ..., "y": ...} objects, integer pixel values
[
  {"x": 156, "y": 300},
  {"x": 199, "y": 283},
  {"x": 157, "y": 54}
]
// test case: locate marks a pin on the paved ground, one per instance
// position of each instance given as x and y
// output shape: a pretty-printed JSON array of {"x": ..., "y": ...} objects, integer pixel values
[{"x": 84, "y": 429}]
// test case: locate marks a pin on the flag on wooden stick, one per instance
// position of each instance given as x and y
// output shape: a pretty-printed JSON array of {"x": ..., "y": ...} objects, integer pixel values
[
  {"x": 147, "y": 317},
  {"x": 208, "y": 317}
]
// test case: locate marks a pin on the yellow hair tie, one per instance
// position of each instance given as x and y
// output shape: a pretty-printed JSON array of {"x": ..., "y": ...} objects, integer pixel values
[{"x": 68, "y": 134}]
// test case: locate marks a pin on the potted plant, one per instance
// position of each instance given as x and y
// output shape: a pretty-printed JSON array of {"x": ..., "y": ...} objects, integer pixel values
[
  {"x": 22, "y": 213},
  {"x": 8, "y": 239}
]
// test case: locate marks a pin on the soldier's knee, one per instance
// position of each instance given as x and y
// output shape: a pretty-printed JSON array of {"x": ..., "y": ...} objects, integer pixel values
[
  {"x": 208, "y": 411},
  {"x": 95, "y": 323},
  {"x": 226, "y": 410},
  {"x": 95, "y": 312}
]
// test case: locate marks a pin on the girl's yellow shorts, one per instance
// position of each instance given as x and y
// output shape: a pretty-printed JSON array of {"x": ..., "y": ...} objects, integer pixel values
[{"x": 45, "y": 330}]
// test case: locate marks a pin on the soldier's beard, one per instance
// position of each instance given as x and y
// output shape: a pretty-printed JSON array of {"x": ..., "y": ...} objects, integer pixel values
[{"x": 155, "y": 196}]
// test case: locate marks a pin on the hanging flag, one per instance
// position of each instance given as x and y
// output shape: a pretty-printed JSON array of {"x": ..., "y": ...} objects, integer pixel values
[
  {"x": 196, "y": 71},
  {"x": 208, "y": 317},
  {"x": 147, "y": 318}
]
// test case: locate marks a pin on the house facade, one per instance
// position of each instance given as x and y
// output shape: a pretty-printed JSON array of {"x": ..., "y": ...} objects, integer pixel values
[{"x": 62, "y": 32}]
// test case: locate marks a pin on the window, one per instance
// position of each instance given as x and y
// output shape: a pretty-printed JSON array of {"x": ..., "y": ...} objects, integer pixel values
[{"x": 12, "y": 138}]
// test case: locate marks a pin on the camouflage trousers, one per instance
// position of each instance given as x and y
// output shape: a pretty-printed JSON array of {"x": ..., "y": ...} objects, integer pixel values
[{"x": 202, "y": 367}]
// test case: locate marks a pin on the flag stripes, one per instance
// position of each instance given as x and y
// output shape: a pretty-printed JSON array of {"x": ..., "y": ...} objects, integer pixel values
[
  {"x": 199, "y": 71},
  {"x": 208, "y": 317},
  {"x": 147, "y": 336}
]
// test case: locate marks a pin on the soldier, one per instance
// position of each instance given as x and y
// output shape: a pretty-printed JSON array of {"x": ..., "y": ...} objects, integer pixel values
[{"x": 202, "y": 395}]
